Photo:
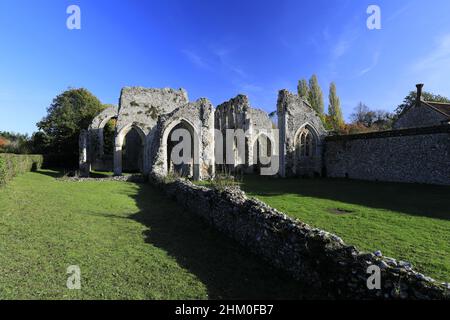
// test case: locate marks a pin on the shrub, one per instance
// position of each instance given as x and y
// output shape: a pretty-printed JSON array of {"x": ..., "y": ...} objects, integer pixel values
[
  {"x": 171, "y": 177},
  {"x": 224, "y": 180},
  {"x": 13, "y": 164}
]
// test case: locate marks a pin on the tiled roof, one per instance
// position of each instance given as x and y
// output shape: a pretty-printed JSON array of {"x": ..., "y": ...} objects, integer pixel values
[{"x": 440, "y": 107}]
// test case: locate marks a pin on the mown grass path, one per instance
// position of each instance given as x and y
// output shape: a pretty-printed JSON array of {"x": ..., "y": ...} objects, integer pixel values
[
  {"x": 405, "y": 221},
  {"x": 129, "y": 241}
]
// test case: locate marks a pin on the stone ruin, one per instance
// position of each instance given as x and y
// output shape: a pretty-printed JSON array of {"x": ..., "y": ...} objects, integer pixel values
[
  {"x": 298, "y": 145},
  {"x": 146, "y": 118}
]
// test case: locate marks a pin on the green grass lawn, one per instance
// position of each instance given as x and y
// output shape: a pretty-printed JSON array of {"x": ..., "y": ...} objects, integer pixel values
[
  {"x": 129, "y": 241},
  {"x": 405, "y": 221}
]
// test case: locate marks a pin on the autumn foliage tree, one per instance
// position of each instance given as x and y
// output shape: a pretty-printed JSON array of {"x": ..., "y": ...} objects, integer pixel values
[{"x": 3, "y": 143}]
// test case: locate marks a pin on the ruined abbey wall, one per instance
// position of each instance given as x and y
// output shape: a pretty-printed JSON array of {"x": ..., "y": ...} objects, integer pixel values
[
  {"x": 197, "y": 118},
  {"x": 237, "y": 114},
  {"x": 295, "y": 116}
]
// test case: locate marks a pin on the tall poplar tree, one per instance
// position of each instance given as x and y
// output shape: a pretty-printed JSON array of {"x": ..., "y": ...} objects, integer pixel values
[
  {"x": 316, "y": 95},
  {"x": 303, "y": 89},
  {"x": 334, "y": 108}
]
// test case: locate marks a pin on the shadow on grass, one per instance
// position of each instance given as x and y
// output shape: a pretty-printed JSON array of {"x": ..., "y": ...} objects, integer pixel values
[
  {"x": 223, "y": 266},
  {"x": 59, "y": 173},
  {"x": 99, "y": 175},
  {"x": 54, "y": 173},
  {"x": 414, "y": 199}
]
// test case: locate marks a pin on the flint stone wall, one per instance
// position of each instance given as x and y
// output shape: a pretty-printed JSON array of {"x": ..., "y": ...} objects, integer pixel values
[
  {"x": 311, "y": 255},
  {"x": 419, "y": 155}
]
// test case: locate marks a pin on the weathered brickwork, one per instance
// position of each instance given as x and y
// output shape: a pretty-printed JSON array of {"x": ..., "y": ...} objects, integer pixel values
[{"x": 419, "y": 155}]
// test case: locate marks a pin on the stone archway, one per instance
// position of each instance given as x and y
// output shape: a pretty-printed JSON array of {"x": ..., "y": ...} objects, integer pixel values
[
  {"x": 104, "y": 133},
  {"x": 99, "y": 159},
  {"x": 263, "y": 150},
  {"x": 174, "y": 135},
  {"x": 133, "y": 156}
]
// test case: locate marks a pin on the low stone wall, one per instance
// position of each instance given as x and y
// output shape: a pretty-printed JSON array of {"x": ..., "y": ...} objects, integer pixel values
[
  {"x": 420, "y": 155},
  {"x": 311, "y": 255}
]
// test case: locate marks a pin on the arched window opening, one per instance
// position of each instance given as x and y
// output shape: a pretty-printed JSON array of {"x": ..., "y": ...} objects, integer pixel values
[
  {"x": 306, "y": 143},
  {"x": 108, "y": 138},
  {"x": 262, "y": 153},
  {"x": 132, "y": 152},
  {"x": 186, "y": 168}
]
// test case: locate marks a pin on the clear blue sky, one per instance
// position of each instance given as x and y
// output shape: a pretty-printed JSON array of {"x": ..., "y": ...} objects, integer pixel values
[{"x": 217, "y": 49}]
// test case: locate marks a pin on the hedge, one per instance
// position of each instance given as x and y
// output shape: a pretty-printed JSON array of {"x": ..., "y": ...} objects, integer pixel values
[{"x": 13, "y": 164}]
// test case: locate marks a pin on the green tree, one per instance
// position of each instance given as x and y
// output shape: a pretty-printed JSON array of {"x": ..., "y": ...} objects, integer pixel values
[
  {"x": 410, "y": 100},
  {"x": 108, "y": 137},
  {"x": 334, "y": 108},
  {"x": 316, "y": 95},
  {"x": 39, "y": 143},
  {"x": 70, "y": 112},
  {"x": 303, "y": 89}
]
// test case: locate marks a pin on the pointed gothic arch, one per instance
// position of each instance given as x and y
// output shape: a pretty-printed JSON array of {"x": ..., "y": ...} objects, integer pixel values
[
  {"x": 306, "y": 149},
  {"x": 133, "y": 156},
  {"x": 191, "y": 168}
]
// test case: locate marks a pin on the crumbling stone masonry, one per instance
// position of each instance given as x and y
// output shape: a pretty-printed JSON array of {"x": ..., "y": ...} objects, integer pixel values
[
  {"x": 237, "y": 114},
  {"x": 198, "y": 119},
  {"x": 153, "y": 113},
  {"x": 139, "y": 109},
  {"x": 301, "y": 136},
  {"x": 311, "y": 255}
]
